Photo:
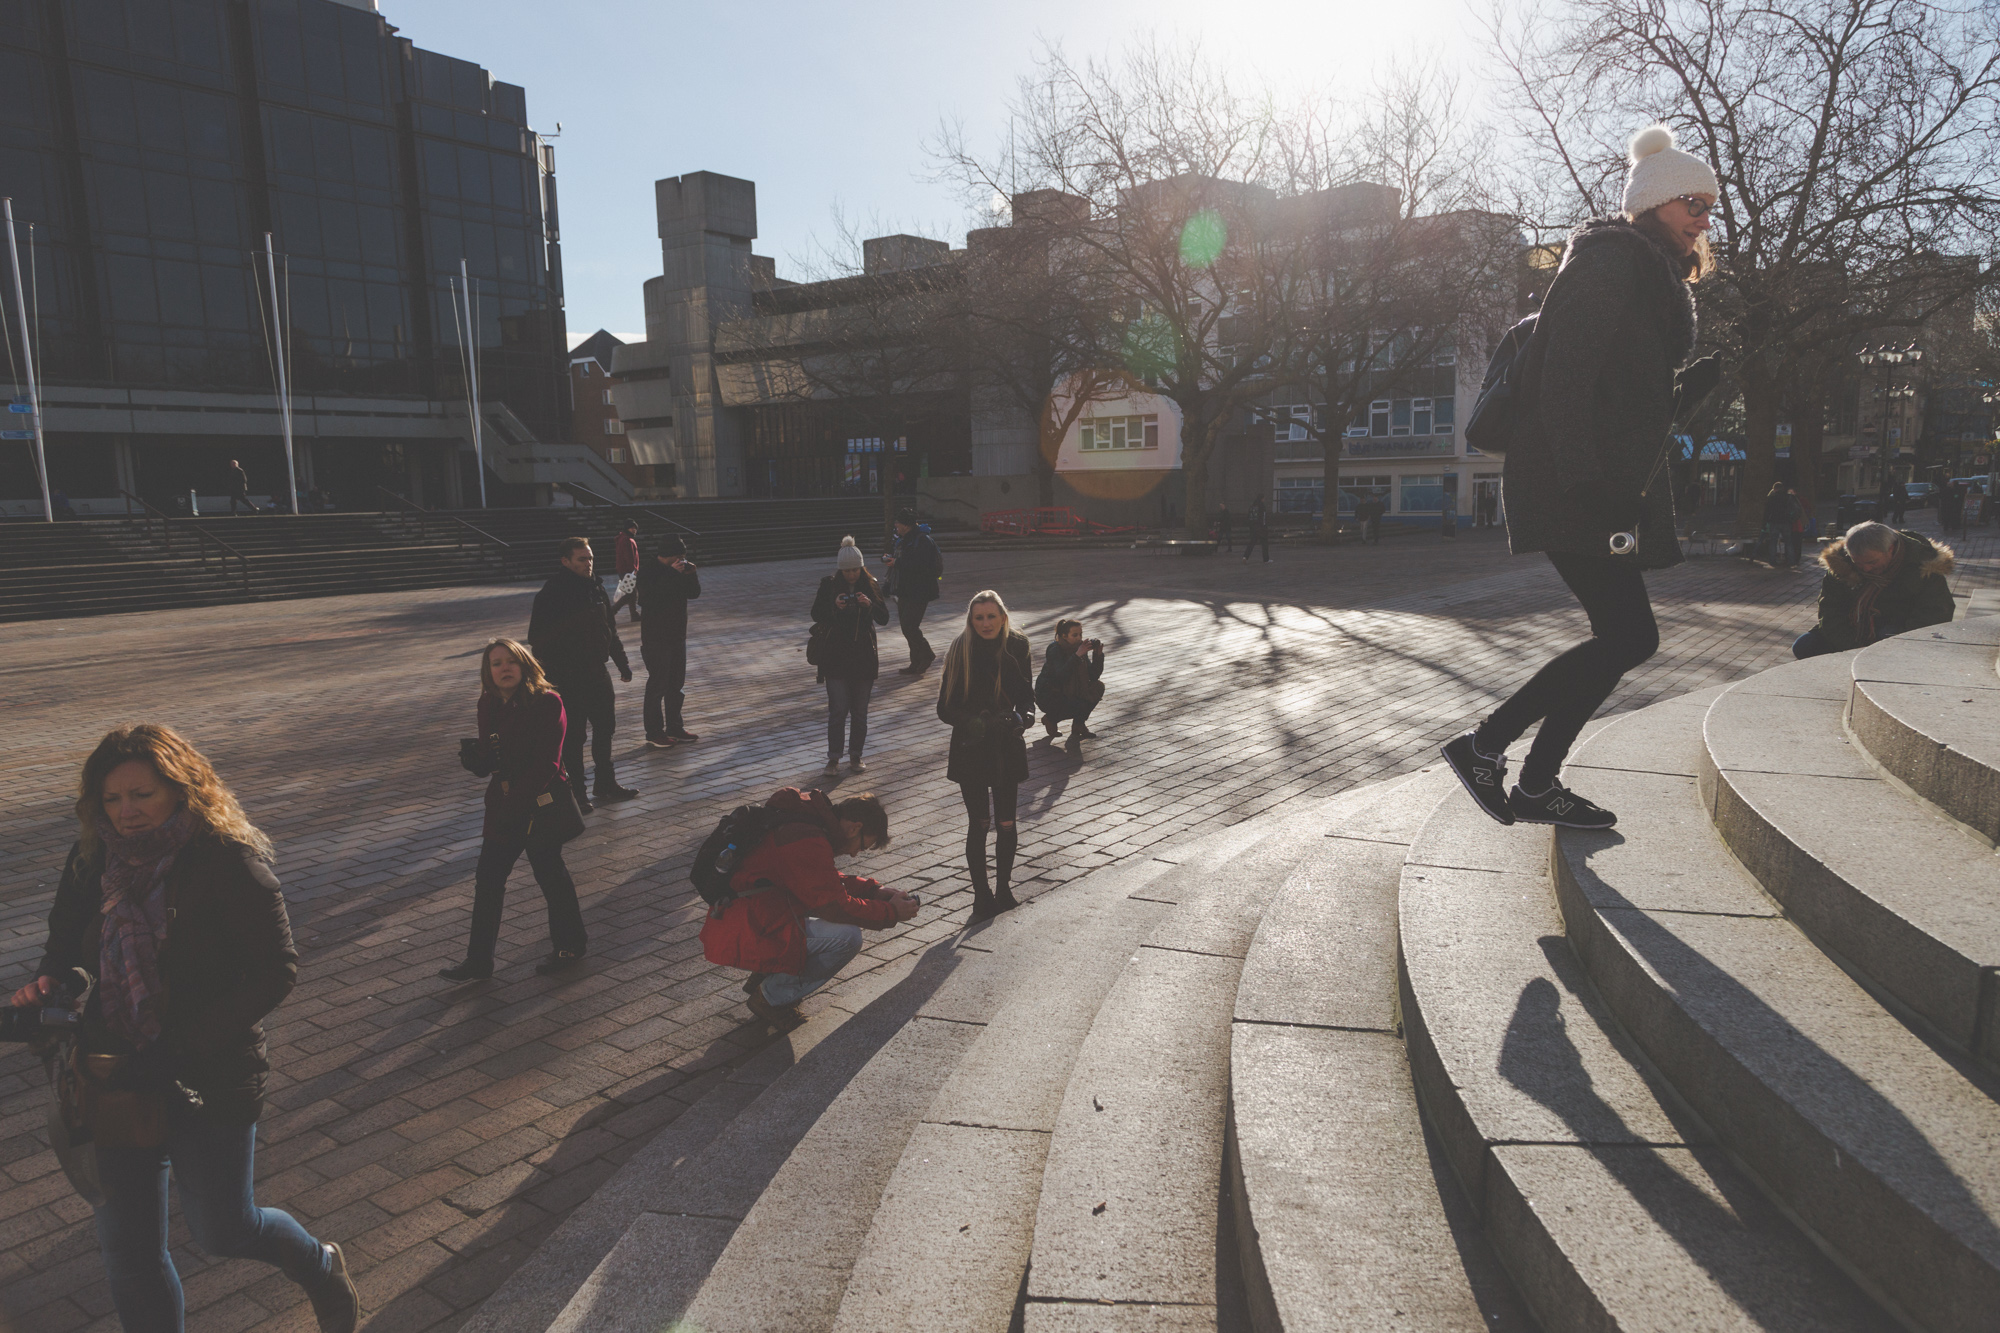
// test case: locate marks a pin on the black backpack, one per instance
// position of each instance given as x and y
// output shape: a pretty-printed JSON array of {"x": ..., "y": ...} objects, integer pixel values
[
  {"x": 1503, "y": 406},
  {"x": 740, "y": 833}
]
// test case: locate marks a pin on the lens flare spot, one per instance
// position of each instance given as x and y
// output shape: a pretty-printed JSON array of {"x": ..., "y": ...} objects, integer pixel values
[{"x": 1202, "y": 238}]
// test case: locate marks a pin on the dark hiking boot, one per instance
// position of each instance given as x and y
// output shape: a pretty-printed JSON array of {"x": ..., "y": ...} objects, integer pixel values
[
  {"x": 467, "y": 971},
  {"x": 613, "y": 794},
  {"x": 336, "y": 1304},
  {"x": 771, "y": 1013},
  {"x": 1560, "y": 806},
  {"x": 682, "y": 735},
  {"x": 1484, "y": 775},
  {"x": 562, "y": 960},
  {"x": 753, "y": 983},
  {"x": 1083, "y": 733},
  {"x": 1050, "y": 723}
]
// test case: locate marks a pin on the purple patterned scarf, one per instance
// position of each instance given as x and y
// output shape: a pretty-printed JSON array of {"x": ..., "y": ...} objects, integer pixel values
[{"x": 134, "y": 904}]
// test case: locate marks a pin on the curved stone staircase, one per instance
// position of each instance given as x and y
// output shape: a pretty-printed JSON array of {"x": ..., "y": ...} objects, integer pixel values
[{"x": 1377, "y": 1063}]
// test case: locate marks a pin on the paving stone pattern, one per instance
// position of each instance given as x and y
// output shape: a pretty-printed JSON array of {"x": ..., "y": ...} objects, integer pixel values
[{"x": 438, "y": 1132}]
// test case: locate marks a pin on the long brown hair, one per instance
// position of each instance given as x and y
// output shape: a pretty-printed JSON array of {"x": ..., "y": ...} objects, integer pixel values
[
  {"x": 181, "y": 767},
  {"x": 532, "y": 678},
  {"x": 1697, "y": 263},
  {"x": 957, "y": 681}
]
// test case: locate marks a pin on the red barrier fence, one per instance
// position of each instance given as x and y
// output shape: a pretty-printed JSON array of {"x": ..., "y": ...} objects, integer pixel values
[{"x": 1053, "y": 521}]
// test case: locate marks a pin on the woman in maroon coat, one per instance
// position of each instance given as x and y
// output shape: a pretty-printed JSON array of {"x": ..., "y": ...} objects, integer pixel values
[{"x": 521, "y": 722}]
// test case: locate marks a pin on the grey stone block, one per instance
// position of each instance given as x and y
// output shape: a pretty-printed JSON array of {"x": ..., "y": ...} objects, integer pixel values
[
  {"x": 1659, "y": 1240},
  {"x": 1338, "y": 1185},
  {"x": 1933, "y": 657},
  {"x": 1129, "y": 1195},
  {"x": 1458, "y": 834},
  {"x": 1630, "y": 869},
  {"x": 1067, "y": 1317},
  {"x": 949, "y": 1244},
  {"x": 1783, "y": 734},
  {"x": 659, "y": 1258},
  {"x": 1943, "y": 742},
  {"x": 1325, "y": 954},
  {"x": 1647, "y": 741}
]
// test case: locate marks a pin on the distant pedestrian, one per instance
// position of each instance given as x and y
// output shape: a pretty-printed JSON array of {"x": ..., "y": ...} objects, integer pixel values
[
  {"x": 1879, "y": 582},
  {"x": 845, "y": 611},
  {"x": 1951, "y": 506},
  {"x": 1260, "y": 531},
  {"x": 987, "y": 698},
  {"x": 528, "y": 808},
  {"x": 168, "y": 899},
  {"x": 796, "y": 920},
  {"x": 1795, "y": 528},
  {"x": 573, "y": 632},
  {"x": 624, "y": 583},
  {"x": 915, "y": 568},
  {"x": 1072, "y": 681},
  {"x": 1690, "y": 498},
  {"x": 1370, "y": 512},
  {"x": 663, "y": 589},
  {"x": 1899, "y": 503},
  {"x": 1225, "y": 528},
  {"x": 1616, "y": 322},
  {"x": 239, "y": 488},
  {"x": 1448, "y": 514}
]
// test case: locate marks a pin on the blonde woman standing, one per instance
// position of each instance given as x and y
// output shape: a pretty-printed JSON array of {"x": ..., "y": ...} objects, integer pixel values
[{"x": 987, "y": 697}]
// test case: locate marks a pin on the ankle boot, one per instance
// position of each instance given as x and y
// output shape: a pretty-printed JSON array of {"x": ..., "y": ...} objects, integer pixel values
[
  {"x": 1004, "y": 843},
  {"x": 983, "y": 906}
]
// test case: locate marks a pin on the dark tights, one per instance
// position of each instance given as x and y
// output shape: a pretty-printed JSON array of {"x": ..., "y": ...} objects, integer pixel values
[
  {"x": 1563, "y": 695},
  {"x": 1004, "y": 802}
]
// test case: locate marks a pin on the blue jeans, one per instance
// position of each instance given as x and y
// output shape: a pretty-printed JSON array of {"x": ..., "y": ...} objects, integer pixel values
[
  {"x": 847, "y": 699},
  {"x": 828, "y": 949},
  {"x": 214, "y": 1166},
  {"x": 1810, "y": 644}
]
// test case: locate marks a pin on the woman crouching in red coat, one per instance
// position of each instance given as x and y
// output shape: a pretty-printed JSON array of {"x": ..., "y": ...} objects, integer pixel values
[{"x": 796, "y": 920}]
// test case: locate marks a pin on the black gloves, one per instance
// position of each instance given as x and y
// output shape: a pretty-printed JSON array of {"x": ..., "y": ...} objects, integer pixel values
[{"x": 1698, "y": 380}]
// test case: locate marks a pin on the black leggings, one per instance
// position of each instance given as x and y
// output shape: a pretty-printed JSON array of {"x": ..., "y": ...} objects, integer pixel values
[
  {"x": 1005, "y": 801},
  {"x": 1563, "y": 695}
]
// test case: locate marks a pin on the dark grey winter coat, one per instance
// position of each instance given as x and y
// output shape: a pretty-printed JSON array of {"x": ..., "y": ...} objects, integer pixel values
[{"x": 1616, "y": 326}]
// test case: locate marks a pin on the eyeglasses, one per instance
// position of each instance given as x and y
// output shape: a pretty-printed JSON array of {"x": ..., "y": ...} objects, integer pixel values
[{"x": 1697, "y": 207}]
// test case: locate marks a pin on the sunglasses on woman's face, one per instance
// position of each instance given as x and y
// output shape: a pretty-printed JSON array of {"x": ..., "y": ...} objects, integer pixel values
[{"x": 1696, "y": 207}]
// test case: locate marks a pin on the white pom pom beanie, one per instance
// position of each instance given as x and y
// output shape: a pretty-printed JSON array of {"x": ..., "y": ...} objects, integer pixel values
[
  {"x": 1661, "y": 172},
  {"x": 850, "y": 555}
]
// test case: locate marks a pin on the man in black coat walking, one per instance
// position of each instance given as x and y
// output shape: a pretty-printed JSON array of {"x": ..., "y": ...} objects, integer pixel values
[
  {"x": 239, "y": 488},
  {"x": 1260, "y": 531},
  {"x": 667, "y": 583},
  {"x": 915, "y": 566},
  {"x": 573, "y": 633}
]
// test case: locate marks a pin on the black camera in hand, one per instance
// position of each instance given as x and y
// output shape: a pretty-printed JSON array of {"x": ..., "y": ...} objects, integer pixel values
[
  {"x": 60, "y": 1011},
  {"x": 479, "y": 755}
]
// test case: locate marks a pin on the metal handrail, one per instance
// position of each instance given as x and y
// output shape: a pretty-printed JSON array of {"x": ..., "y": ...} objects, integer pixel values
[
  {"x": 204, "y": 538},
  {"x": 594, "y": 498},
  {"x": 427, "y": 515}
]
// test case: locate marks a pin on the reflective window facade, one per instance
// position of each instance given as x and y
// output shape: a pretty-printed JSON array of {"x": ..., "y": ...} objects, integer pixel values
[{"x": 152, "y": 143}]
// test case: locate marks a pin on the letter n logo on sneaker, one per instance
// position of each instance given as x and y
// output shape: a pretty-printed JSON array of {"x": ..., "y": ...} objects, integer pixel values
[
  {"x": 1561, "y": 807},
  {"x": 1483, "y": 776}
]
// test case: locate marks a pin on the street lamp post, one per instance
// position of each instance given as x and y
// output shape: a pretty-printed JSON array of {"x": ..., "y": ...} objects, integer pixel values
[{"x": 1890, "y": 358}]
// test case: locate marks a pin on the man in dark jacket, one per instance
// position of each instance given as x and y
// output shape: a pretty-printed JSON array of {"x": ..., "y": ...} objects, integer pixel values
[
  {"x": 915, "y": 566},
  {"x": 239, "y": 488},
  {"x": 572, "y": 632},
  {"x": 1879, "y": 582},
  {"x": 667, "y": 583},
  {"x": 1260, "y": 531}
]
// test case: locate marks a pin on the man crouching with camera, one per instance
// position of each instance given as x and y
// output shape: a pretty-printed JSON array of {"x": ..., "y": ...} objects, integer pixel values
[
  {"x": 788, "y": 916},
  {"x": 1072, "y": 682}
]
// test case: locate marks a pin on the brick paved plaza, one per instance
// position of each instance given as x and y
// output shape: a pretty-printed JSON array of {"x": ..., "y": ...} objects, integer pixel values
[{"x": 439, "y": 1132}]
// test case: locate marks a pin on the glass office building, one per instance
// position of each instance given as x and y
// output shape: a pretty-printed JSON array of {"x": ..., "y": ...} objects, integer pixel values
[{"x": 152, "y": 143}]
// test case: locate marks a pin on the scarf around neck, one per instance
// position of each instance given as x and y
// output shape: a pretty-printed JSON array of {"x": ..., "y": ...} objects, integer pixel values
[
  {"x": 134, "y": 906},
  {"x": 1871, "y": 588}
]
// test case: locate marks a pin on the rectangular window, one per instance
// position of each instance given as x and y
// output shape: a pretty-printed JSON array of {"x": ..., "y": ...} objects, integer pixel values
[
  {"x": 1378, "y": 417},
  {"x": 607, "y": 397},
  {"x": 1444, "y": 414},
  {"x": 614, "y": 427},
  {"x": 1399, "y": 417},
  {"x": 1299, "y": 495},
  {"x": 1355, "y": 489},
  {"x": 1101, "y": 433},
  {"x": 617, "y": 455},
  {"x": 1420, "y": 416},
  {"x": 1422, "y": 495}
]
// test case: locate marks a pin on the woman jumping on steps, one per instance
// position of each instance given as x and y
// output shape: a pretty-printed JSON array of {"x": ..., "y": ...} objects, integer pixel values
[
  {"x": 988, "y": 698},
  {"x": 1588, "y": 463}
]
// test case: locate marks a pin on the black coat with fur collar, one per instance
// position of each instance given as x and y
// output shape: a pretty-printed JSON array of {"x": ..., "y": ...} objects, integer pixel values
[{"x": 1617, "y": 324}]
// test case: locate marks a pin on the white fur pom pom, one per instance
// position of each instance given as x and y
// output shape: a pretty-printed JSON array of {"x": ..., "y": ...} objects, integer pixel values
[
  {"x": 1651, "y": 140},
  {"x": 847, "y": 541}
]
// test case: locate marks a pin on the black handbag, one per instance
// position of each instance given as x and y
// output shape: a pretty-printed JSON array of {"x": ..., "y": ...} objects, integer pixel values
[{"x": 556, "y": 818}]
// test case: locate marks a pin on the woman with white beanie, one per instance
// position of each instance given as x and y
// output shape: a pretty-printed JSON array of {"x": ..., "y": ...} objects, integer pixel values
[
  {"x": 1603, "y": 387},
  {"x": 845, "y": 612}
]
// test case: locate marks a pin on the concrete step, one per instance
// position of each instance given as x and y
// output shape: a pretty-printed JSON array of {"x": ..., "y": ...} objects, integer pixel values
[
  {"x": 1873, "y": 1142},
  {"x": 1927, "y": 706},
  {"x": 652, "y": 1241},
  {"x": 1345, "y": 1218},
  {"x": 1609, "y": 1205},
  {"x": 1132, "y": 1223},
  {"x": 1906, "y": 897}
]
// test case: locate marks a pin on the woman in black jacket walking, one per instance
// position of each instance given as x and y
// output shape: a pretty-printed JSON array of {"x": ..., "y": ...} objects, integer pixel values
[
  {"x": 521, "y": 724},
  {"x": 1616, "y": 323},
  {"x": 169, "y": 900},
  {"x": 987, "y": 697},
  {"x": 845, "y": 611}
]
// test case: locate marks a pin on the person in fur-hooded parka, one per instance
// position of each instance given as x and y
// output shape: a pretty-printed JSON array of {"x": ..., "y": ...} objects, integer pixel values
[
  {"x": 1616, "y": 326},
  {"x": 1908, "y": 586}
]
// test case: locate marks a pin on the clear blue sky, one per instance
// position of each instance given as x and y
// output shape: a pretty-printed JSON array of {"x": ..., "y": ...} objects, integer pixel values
[{"x": 829, "y": 106}]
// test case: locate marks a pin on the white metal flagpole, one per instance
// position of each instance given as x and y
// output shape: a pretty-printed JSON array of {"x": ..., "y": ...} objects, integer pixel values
[
  {"x": 284, "y": 392},
  {"x": 472, "y": 380},
  {"x": 28, "y": 366}
]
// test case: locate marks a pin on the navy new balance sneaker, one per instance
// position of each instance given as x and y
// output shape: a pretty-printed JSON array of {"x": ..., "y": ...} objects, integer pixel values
[
  {"x": 1484, "y": 775},
  {"x": 1558, "y": 805}
]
